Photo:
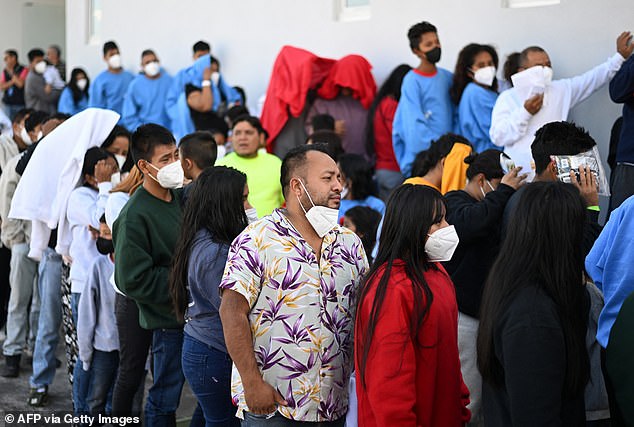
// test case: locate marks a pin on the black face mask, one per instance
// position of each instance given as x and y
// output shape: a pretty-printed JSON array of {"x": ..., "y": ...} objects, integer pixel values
[
  {"x": 433, "y": 55},
  {"x": 105, "y": 246}
]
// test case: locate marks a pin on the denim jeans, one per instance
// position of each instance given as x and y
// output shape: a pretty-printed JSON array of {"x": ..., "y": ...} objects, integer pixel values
[
  {"x": 165, "y": 393},
  {"x": 20, "y": 320},
  {"x": 103, "y": 371},
  {"x": 208, "y": 372},
  {"x": 50, "y": 284},
  {"x": 134, "y": 344},
  {"x": 278, "y": 420}
]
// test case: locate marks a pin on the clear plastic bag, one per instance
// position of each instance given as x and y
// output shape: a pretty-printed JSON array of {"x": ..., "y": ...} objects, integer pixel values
[{"x": 591, "y": 158}]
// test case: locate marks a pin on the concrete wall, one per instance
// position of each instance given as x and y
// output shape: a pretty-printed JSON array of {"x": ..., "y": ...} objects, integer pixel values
[{"x": 28, "y": 24}]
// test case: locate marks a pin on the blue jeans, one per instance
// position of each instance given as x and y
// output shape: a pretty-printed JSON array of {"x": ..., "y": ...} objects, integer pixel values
[
  {"x": 208, "y": 372},
  {"x": 50, "y": 284},
  {"x": 278, "y": 420},
  {"x": 164, "y": 395},
  {"x": 103, "y": 371}
]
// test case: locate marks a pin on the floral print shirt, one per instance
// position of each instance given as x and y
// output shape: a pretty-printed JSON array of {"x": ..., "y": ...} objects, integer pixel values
[{"x": 302, "y": 313}]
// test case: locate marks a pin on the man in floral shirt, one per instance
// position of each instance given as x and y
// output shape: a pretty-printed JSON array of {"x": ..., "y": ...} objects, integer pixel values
[{"x": 288, "y": 301}]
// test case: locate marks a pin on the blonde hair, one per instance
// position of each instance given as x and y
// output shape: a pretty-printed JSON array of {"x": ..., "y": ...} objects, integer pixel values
[{"x": 130, "y": 183}]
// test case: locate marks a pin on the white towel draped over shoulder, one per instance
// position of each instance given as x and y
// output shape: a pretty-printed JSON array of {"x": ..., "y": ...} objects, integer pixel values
[{"x": 53, "y": 172}]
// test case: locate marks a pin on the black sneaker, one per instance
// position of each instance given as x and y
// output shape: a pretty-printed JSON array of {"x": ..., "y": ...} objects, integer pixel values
[
  {"x": 38, "y": 397},
  {"x": 12, "y": 367}
]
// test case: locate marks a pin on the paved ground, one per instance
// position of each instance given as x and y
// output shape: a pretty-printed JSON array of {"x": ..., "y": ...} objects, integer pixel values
[{"x": 14, "y": 392}]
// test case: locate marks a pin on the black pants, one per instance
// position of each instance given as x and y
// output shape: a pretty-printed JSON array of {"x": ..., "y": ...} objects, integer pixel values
[
  {"x": 616, "y": 417},
  {"x": 5, "y": 287},
  {"x": 134, "y": 344}
]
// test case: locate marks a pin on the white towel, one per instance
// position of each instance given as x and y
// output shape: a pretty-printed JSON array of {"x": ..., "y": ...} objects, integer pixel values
[{"x": 53, "y": 173}]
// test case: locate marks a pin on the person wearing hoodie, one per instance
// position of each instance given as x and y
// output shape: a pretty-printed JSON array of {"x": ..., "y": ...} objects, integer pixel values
[{"x": 346, "y": 95}]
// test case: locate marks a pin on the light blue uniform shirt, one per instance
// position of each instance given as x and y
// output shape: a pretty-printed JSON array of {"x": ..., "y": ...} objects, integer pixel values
[
  {"x": 425, "y": 113},
  {"x": 108, "y": 89},
  {"x": 370, "y": 201},
  {"x": 610, "y": 266},
  {"x": 66, "y": 103},
  {"x": 145, "y": 101},
  {"x": 474, "y": 116}
]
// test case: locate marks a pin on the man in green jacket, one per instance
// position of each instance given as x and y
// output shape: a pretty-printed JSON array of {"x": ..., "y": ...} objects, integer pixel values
[{"x": 145, "y": 236}]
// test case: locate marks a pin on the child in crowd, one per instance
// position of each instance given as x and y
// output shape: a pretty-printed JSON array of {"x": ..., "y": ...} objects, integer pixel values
[{"x": 97, "y": 334}]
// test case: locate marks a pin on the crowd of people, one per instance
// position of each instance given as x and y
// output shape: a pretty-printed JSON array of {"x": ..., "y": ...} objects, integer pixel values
[{"x": 400, "y": 256}]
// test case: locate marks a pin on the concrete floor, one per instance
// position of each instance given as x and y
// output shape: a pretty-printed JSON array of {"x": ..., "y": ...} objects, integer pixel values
[{"x": 15, "y": 391}]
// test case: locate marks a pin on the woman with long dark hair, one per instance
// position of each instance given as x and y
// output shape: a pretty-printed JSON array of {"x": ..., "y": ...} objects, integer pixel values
[
  {"x": 406, "y": 343},
  {"x": 533, "y": 318},
  {"x": 74, "y": 97},
  {"x": 474, "y": 91},
  {"x": 214, "y": 216},
  {"x": 379, "y": 131}
]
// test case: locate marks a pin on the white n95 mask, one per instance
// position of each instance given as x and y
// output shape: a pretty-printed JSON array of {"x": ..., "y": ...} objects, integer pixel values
[
  {"x": 170, "y": 176},
  {"x": 81, "y": 84},
  {"x": 115, "y": 61},
  {"x": 441, "y": 244},
  {"x": 321, "y": 218},
  {"x": 40, "y": 67},
  {"x": 152, "y": 69},
  {"x": 120, "y": 160},
  {"x": 484, "y": 75},
  {"x": 25, "y": 136}
]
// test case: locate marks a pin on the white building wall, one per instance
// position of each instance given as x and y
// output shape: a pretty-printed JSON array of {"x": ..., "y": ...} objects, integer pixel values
[
  {"x": 246, "y": 35},
  {"x": 28, "y": 24}
]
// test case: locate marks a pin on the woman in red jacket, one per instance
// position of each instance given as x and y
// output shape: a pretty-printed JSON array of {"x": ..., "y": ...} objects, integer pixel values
[{"x": 406, "y": 338}]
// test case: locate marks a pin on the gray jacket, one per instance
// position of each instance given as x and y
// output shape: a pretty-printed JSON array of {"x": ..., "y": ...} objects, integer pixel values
[
  {"x": 596, "y": 396},
  {"x": 36, "y": 97},
  {"x": 12, "y": 231},
  {"x": 96, "y": 322}
]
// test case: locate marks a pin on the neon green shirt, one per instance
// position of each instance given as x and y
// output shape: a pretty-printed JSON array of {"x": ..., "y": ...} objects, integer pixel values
[{"x": 263, "y": 179}]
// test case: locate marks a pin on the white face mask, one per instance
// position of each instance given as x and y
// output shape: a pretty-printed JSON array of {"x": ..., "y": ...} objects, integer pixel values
[
  {"x": 25, "y": 137},
  {"x": 152, "y": 69},
  {"x": 252, "y": 215},
  {"x": 485, "y": 75},
  {"x": 115, "y": 179},
  {"x": 81, "y": 84},
  {"x": 344, "y": 192},
  {"x": 120, "y": 160},
  {"x": 490, "y": 186},
  {"x": 170, "y": 176},
  {"x": 40, "y": 67},
  {"x": 215, "y": 77},
  {"x": 115, "y": 61},
  {"x": 322, "y": 218},
  {"x": 441, "y": 245}
]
